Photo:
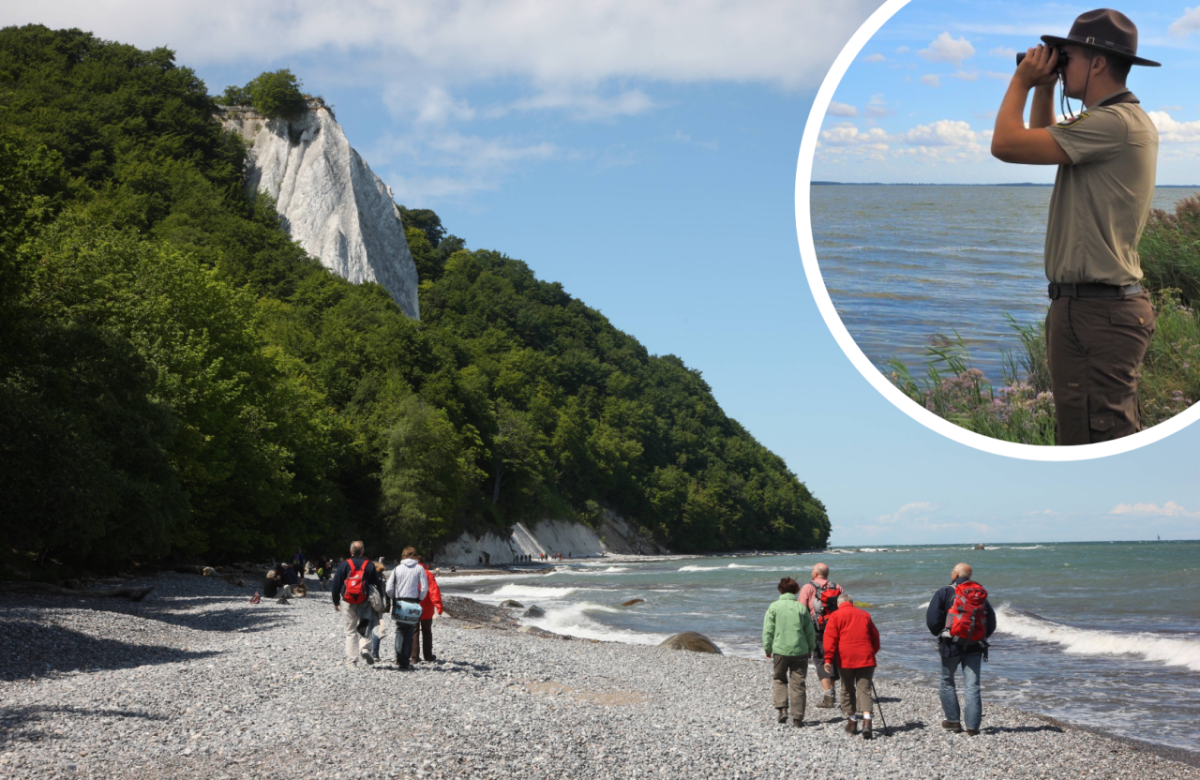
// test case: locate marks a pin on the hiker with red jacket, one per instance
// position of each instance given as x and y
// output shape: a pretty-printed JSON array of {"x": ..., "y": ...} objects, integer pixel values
[
  {"x": 960, "y": 616},
  {"x": 351, "y": 586},
  {"x": 851, "y": 642},
  {"x": 820, "y": 596},
  {"x": 423, "y": 633}
]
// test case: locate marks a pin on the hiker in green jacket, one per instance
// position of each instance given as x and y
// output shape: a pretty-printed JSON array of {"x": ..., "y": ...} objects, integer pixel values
[{"x": 788, "y": 638}]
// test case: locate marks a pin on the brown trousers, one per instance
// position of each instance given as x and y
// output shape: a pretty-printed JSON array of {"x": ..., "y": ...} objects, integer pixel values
[
  {"x": 788, "y": 673},
  {"x": 423, "y": 637},
  {"x": 1095, "y": 347},
  {"x": 856, "y": 689}
]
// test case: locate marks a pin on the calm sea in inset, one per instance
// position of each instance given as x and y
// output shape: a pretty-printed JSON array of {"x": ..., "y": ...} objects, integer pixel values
[
  {"x": 904, "y": 263},
  {"x": 1100, "y": 634}
]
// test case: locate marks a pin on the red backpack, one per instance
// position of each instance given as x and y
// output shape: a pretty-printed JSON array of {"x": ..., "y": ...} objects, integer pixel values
[
  {"x": 825, "y": 603},
  {"x": 966, "y": 619},
  {"x": 355, "y": 591}
]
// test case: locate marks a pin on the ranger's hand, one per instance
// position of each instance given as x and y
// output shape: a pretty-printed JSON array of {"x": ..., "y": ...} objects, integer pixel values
[{"x": 1039, "y": 68}]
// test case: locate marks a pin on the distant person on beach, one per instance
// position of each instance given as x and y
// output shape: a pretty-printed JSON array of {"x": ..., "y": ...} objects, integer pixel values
[
  {"x": 407, "y": 582},
  {"x": 820, "y": 597},
  {"x": 788, "y": 640},
  {"x": 851, "y": 642},
  {"x": 423, "y": 631},
  {"x": 351, "y": 585},
  {"x": 1101, "y": 319},
  {"x": 960, "y": 616},
  {"x": 274, "y": 585}
]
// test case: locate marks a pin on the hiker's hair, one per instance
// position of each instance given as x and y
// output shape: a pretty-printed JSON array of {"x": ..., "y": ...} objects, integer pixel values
[
  {"x": 845, "y": 597},
  {"x": 409, "y": 552},
  {"x": 420, "y": 558},
  {"x": 356, "y": 549},
  {"x": 789, "y": 585}
]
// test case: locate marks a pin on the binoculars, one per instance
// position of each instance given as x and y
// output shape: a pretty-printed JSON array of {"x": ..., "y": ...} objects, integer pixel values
[{"x": 1062, "y": 58}]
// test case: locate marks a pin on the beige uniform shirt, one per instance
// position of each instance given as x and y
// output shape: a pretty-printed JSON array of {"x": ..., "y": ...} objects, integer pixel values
[{"x": 1102, "y": 199}]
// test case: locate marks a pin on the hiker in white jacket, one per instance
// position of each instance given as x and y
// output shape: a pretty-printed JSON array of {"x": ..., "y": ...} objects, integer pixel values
[{"x": 407, "y": 582}]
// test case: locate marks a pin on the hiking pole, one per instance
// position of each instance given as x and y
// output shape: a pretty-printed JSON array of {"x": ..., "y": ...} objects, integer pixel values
[{"x": 878, "y": 706}]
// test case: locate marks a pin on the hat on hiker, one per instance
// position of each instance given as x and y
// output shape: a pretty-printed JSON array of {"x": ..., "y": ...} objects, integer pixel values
[{"x": 1104, "y": 30}]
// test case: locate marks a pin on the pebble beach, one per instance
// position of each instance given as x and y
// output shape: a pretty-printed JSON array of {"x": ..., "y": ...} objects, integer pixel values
[{"x": 197, "y": 682}]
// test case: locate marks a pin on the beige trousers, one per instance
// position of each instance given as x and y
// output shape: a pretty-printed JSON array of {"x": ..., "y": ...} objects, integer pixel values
[
  {"x": 356, "y": 642},
  {"x": 856, "y": 689},
  {"x": 788, "y": 676}
]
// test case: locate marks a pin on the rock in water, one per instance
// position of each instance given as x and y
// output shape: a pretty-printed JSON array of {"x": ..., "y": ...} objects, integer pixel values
[
  {"x": 330, "y": 201},
  {"x": 690, "y": 640},
  {"x": 631, "y": 602},
  {"x": 511, "y": 603},
  {"x": 980, "y": 547},
  {"x": 534, "y": 612}
]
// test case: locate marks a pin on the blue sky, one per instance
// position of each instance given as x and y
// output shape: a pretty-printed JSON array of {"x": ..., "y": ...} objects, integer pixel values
[
  {"x": 919, "y": 102},
  {"x": 644, "y": 155}
]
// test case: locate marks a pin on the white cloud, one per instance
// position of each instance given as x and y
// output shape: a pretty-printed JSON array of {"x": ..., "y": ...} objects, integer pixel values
[
  {"x": 874, "y": 58},
  {"x": 1003, "y": 51},
  {"x": 965, "y": 75},
  {"x": 931, "y": 79},
  {"x": 1169, "y": 509},
  {"x": 878, "y": 106},
  {"x": 1170, "y": 109},
  {"x": 911, "y": 511},
  {"x": 1172, "y": 130},
  {"x": 943, "y": 141},
  {"x": 842, "y": 109},
  {"x": 847, "y": 134},
  {"x": 685, "y": 138},
  {"x": 947, "y": 49},
  {"x": 434, "y": 106},
  {"x": 680, "y": 41},
  {"x": 903, "y": 50},
  {"x": 1186, "y": 24},
  {"x": 587, "y": 105}
]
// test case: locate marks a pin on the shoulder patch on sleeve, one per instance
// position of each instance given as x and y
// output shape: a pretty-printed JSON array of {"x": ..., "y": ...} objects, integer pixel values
[{"x": 1074, "y": 120}]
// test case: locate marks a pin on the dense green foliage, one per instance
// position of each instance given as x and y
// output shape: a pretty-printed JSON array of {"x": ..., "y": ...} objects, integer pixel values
[
  {"x": 177, "y": 375},
  {"x": 274, "y": 94},
  {"x": 1021, "y": 408}
]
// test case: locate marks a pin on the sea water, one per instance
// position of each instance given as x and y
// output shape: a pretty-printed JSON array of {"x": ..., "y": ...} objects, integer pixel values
[
  {"x": 907, "y": 264},
  {"x": 1099, "y": 634}
]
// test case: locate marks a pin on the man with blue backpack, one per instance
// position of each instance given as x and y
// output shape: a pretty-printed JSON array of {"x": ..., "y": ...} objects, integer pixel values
[
  {"x": 960, "y": 616},
  {"x": 352, "y": 586},
  {"x": 406, "y": 586}
]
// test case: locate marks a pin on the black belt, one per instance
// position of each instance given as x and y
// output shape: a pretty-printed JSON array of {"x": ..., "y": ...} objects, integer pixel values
[{"x": 1092, "y": 290}]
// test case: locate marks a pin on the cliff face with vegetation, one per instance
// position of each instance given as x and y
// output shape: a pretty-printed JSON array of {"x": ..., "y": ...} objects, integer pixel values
[
  {"x": 331, "y": 203},
  {"x": 178, "y": 375}
]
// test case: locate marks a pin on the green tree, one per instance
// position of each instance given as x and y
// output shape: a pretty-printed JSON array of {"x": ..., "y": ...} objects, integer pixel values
[
  {"x": 429, "y": 467},
  {"x": 276, "y": 95}
]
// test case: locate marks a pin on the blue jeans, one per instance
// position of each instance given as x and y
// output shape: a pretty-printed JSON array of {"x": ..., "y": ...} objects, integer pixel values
[{"x": 971, "y": 696}]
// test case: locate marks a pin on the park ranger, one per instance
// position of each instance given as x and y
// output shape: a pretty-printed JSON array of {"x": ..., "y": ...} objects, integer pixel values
[{"x": 1101, "y": 319}]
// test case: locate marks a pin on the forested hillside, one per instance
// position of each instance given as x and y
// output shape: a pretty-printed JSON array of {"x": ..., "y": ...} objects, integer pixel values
[{"x": 178, "y": 376}]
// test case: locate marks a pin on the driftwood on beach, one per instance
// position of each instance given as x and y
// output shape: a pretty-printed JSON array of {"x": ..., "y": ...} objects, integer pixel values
[{"x": 133, "y": 594}]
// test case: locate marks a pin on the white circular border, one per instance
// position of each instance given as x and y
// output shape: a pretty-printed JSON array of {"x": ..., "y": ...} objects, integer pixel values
[{"x": 808, "y": 148}]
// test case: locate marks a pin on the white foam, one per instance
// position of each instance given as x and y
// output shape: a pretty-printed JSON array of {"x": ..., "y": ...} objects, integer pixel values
[
  {"x": 699, "y": 568},
  {"x": 573, "y": 620},
  {"x": 1034, "y": 547},
  {"x": 528, "y": 592},
  {"x": 1081, "y": 641}
]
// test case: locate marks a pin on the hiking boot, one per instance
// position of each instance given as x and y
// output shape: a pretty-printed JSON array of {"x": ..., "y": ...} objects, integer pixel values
[
  {"x": 798, "y": 722},
  {"x": 827, "y": 702},
  {"x": 366, "y": 656},
  {"x": 782, "y": 714},
  {"x": 972, "y": 732},
  {"x": 866, "y": 729},
  {"x": 851, "y": 726},
  {"x": 952, "y": 726}
]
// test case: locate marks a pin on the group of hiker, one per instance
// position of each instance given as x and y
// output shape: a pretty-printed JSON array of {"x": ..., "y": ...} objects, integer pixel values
[
  {"x": 821, "y": 622},
  {"x": 409, "y": 593}
]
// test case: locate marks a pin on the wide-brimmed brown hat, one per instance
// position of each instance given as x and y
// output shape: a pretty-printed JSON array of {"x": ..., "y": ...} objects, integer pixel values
[{"x": 1106, "y": 30}]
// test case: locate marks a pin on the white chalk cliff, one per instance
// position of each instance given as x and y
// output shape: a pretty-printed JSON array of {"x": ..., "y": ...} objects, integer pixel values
[
  {"x": 550, "y": 536},
  {"x": 330, "y": 201}
]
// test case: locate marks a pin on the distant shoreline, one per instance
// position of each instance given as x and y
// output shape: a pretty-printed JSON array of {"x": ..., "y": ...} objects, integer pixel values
[{"x": 959, "y": 184}]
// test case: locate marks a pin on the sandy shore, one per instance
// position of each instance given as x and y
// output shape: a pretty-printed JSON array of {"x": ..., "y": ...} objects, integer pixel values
[{"x": 197, "y": 682}]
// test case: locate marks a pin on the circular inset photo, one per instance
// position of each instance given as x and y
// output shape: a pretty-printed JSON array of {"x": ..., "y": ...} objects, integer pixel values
[{"x": 999, "y": 213}]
